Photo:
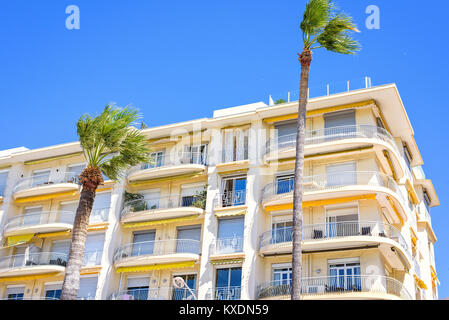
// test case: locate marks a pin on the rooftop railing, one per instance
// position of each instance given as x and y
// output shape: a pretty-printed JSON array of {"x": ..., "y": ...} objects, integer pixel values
[
  {"x": 322, "y": 286},
  {"x": 335, "y": 230},
  {"x": 38, "y": 218},
  {"x": 34, "y": 259},
  {"x": 333, "y": 181},
  {"x": 157, "y": 247},
  {"x": 332, "y": 134},
  {"x": 164, "y": 293},
  {"x": 166, "y": 202},
  {"x": 46, "y": 179},
  {"x": 227, "y": 245}
]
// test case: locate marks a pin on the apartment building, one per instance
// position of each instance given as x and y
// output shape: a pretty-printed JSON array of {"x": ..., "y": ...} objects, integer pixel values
[{"x": 214, "y": 207}]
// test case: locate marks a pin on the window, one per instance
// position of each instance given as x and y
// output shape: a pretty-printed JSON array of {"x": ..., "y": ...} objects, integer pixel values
[
  {"x": 40, "y": 177},
  {"x": 59, "y": 252},
  {"x": 137, "y": 288},
  {"x": 286, "y": 134},
  {"x": 341, "y": 174},
  {"x": 53, "y": 291},
  {"x": 15, "y": 293},
  {"x": 345, "y": 276},
  {"x": 19, "y": 257},
  {"x": 407, "y": 156},
  {"x": 285, "y": 184},
  {"x": 426, "y": 201},
  {"x": 156, "y": 160},
  {"x": 76, "y": 169},
  {"x": 151, "y": 198},
  {"x": 100, "y": 209},
  {"x": 93, "y": 249},
  {"x": 234, "y": 191},
  {"x": 190, "y": 195},
  {"x": 228, "y": 283},
  {"x": 282, "y": 275},
  {"x": 339, "y": 124},
  {"x": 195, "y": 154},
  {"x": 235, "y": 145},
  {"x": 3, "y": 179},
  {"x": 143, "y": 243},
  {"x": 281, "y": 232},
  {"x": 344, "y": 222},
  {"x": 230, "y": 235},
  {"x": 88, "y": 288},
  {"x": 67, "y": 211},
  {"x": 185, "y": 236},
  {"x": 184, "y": 293},
  {"x": 32, "y": 216}
]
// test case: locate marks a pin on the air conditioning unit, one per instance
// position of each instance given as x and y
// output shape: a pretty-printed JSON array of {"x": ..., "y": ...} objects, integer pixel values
[{"x": 315, "y": 289}]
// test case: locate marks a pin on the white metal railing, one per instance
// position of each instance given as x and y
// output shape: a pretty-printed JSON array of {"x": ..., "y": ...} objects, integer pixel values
[
  {"x": 230, "y": 199},
  {"x": 46, "y": 179},
  {"x": 224, "y": 293},
  {"x": 333, "y": 230},
  {"x": 33, "y": 259},
  {"x": 175, "y": 158},
  {"x": 227, "y": 245},
  {"x": 321, "y": 286},
  {"x": 333, "y": 182},
  {"x": 157, "y": 247},
  {"x": 38, "y": 218},
  {"x": 332, "y": 134},
  {"x": 99, "y": 215},
  {"x": 165, "y": 202},
  {"x": 163, "y": 293}
]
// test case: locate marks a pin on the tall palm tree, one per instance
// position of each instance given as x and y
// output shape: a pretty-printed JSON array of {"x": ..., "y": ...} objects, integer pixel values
[
  {"x": 111, "y": 145},
  {"x": 323, "y": 26}
]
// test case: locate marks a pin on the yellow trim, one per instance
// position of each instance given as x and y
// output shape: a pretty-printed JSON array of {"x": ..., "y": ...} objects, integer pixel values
[
  {"x": 104, "y": 189},
  {"x": 188, "y": 264},
  {"x": 243, "y": 170},
  {"x": 390, "y": 164},
  {"x": 45, "y": 197},
  {"x": 230, "y": 213},
  {"x": 164, "y": 179},
  {"x": 29, "y": 277},
  {"x": 411, "y": 192},
  {"x": 1, "y": 199},
  {"x": 420, "y": 282},
  {"x": 20, "y": 239},
  {"x": 98, "y": 227},
  {"x": 396, "y": 211},
  {"x": 226, "y": 261},
  {"x": 91, "y": 270},
  {"x": 53, "y": 158},
  {"x": 318, "y": 203},
  {"x": 53, "y": 234},
  {"x": 156, "y": 222},
  {"x": 321, "y": 111}
]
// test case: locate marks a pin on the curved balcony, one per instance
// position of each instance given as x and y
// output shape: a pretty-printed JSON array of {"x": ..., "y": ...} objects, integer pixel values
[
  {"x": 173, "y": 164},
  {"x": 157, "y": 252},
  {"x": 332, "y": 139},
  {"x": 164, "y": 293},
  {"x": 42, "y": 222},
  {"x": 173, "y": 206},
  {"x": 33, "y": 264},
  {"x": 352, "y": 234},
  {"x": 38, "y": 185},
  {"x": 342, "y": 184},
  {"x": 357, "y": 287}
]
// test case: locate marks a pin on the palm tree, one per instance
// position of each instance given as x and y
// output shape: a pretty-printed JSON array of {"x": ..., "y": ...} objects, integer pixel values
[
  {"x": 111, "y": 145},
  {"x": 322, "y": 27}
]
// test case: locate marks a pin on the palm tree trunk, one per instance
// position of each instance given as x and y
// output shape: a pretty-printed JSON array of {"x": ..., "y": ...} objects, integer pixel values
[
  {"x": 305, "y": 58},
  {"x": 76, "y": 254}
]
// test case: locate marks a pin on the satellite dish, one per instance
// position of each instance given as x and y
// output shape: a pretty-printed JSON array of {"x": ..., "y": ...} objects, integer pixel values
[{"x": 179, "y": 282}]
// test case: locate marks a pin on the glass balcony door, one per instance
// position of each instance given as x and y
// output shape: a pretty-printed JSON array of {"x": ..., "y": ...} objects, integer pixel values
[
  {"x": 185, "y": 235},
  {"x": 156, "y": 160},
  {"x": 143, "y": 243},
  {"x": 285, "y": 184},
  {"x": 282, "y": 276},
  {"x": 31, "y": 216},
  {"x": 342, "y": 174},
  {"x": 228, "y": 283},
  {"x": 234, "y": 191},
  {"x": 230, "y": 235},
  {"x": 184, "y": 293},
  {"x": 281, "y": 232},
  {"x": 40, "y": 178},
  {"x": 137, "y": 289},
  {"x": 339, "y": 124},
  {"x": 345, "y": 277},
  {"x": 195, "y": 154}
]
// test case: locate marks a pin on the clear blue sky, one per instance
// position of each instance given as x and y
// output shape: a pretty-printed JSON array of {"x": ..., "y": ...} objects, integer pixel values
[{"x": 179, "y": 60}]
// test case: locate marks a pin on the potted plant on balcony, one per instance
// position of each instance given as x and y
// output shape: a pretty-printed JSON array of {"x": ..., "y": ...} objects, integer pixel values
[{"x": 199, "y": 199}]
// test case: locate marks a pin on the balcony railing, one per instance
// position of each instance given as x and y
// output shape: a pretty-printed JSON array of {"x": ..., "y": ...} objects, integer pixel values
[
  {"x": 92, "y": 258},
  {"x": 332, "y": 134},
  {"x": 334, "y": 230},
  {"x": 168, "y": 202},
  {"x": 333, "y": 181},
  {"x": 230, "y": 199},
  {"x": 34, "y": 219},
  {"x": 227, "y": 245},
  {"x": 99, "y": 215},
  {"x": 225, "y": 293},
  {"x": 157, "y": 247},
  {"x": 45, "y": 180},
  {"x": 175, "y": 159},
  {"x": 164, "y": 293},
  {"x": 34, "y": 259},
  {"x": 321, "y": 286}
]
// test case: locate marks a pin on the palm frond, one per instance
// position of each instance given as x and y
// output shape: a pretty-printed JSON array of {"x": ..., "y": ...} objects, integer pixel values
[
  {"x": 316, "y": 17},
  {"x": 336, "y": 35}
]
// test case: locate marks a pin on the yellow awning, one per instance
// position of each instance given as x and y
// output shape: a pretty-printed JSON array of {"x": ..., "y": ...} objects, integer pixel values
[
  {"x": 29, "y": 277},
  {"x": 188, "y": 264},
  {"x": 20, "y": 239},
  {"x": 230, "y": 213},
  {"x": 53, "y": 234},
  {"x": 45, "y": 197},
  {"x": 156, "y": 222}
]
